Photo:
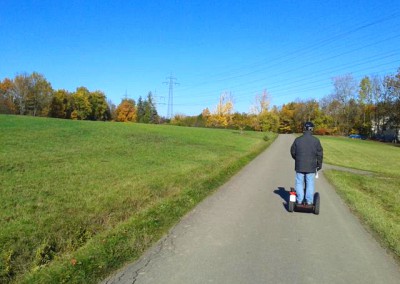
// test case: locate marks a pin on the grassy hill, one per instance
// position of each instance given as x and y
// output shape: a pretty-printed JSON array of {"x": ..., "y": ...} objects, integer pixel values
[
  {"x": 78, "y": 199},
  {"x": 374, "y": 198}
]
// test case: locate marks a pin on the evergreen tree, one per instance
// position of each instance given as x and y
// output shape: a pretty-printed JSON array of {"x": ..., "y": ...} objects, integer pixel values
[
  {"x": 151, "y": 115},
  {"x": 140, "y": 110}
]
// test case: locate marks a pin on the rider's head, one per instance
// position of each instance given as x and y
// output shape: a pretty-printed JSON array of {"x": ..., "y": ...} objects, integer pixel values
[{"x": 308, "y": 126}]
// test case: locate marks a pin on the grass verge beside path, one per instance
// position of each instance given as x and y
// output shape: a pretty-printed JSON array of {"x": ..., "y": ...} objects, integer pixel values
[
  {"x": 79, "y": 199},
  {"x": 375, "y": 199}
]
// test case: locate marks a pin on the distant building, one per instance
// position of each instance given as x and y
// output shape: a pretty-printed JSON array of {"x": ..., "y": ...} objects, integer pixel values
[{"x": 383, "y": 130}]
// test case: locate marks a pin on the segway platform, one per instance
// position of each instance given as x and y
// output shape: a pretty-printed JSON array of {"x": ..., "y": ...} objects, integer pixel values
[{"x": 293, "y": 206}]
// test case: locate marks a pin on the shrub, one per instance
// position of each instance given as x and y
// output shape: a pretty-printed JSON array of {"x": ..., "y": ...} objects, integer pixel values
[{"x": 323, "y": 131}]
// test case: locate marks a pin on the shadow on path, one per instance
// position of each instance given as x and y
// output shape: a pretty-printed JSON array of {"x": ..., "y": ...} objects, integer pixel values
[{"x": 284, "y": 194}]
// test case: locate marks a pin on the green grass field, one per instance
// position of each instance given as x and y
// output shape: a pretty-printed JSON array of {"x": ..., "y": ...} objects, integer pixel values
[
  {"x": 374, "y": 198},
  {"x": 79, "y": 199}
]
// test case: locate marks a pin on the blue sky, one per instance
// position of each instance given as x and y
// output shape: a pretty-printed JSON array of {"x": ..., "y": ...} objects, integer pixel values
[{"x": 292, "y": 49}]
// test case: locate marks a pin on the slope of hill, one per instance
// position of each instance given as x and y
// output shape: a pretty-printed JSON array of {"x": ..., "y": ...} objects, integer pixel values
[{"x": 79, "y": 198}]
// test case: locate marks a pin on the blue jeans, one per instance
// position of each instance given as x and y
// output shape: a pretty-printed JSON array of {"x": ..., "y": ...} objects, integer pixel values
[{"x": 309, "y": 182}]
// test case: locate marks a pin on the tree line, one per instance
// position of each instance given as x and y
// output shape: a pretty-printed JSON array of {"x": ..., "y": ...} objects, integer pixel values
[
  {"x": 368, "y": 107},
  {"x": 32, "y": 94}
]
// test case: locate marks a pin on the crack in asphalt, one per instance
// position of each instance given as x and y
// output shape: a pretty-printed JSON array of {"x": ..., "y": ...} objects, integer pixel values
[
  {"x": 154, "y": 253},
  {"x": 167, "y": 241}
]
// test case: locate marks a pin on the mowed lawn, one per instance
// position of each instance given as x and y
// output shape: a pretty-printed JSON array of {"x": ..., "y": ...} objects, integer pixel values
[
  {"x": 374, "y": 198},
  {"x": 78, "y": 199}
]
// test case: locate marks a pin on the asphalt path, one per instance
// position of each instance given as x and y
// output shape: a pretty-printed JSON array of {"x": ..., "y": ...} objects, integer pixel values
[{"x": 243, "y": 233}]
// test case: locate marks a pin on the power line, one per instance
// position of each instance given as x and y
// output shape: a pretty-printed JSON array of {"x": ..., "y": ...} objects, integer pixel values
[
  {"x": 156, "y": 98},
  {"x": 291, "y": 55},
  {"x": 304, "y": 58},
  {"x": 281, "y": 92},
  {"x": 336, "y": 68}
]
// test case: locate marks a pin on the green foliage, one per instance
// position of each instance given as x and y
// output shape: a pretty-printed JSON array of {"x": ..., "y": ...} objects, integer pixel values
[
  {"x": 60, "y": 104},
  {"x": 189, "y": 121},
  {"x": 32, "y": 94},
  {"x": 286, "y": 119},
  {"x": 39, "y": 95},
  {"x": 146, "y": 110},
  {"x": 80, "y": 199},
  {"x": 80, "y": 104},
  {"x": 150, "y": 111},
  {"x": 367, "y": 108},
  {"x": 241, "y": 121},
  {"x": 269, "y": 121},
  {"x": 99, "y": 107}
]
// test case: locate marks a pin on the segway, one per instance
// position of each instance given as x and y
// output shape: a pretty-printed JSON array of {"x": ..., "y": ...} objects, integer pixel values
[{"x": 303, "y": 207}]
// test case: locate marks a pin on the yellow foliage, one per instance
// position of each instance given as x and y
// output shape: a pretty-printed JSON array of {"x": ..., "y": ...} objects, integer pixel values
[
  {"x": 223, "y": 114},
  {"x": 126, "y": 111}
]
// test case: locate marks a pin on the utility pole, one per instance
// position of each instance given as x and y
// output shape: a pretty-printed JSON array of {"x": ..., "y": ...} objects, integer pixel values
[
  {"x": 157, "y": 98},
  {"x": 171, "y": 82},
  {"x": 126, "y": 95}
]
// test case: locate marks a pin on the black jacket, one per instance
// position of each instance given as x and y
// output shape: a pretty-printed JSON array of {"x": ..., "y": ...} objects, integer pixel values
[{"x": 307, "y": 152}]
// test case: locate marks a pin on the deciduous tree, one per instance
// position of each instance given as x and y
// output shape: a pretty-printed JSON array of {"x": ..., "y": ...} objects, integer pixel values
[
  {"x": 365, "y": 94},
  {"x": 60, "y": 106},
  {"x": 241, "y": 121},
  {"x": 126, "y": 111},
  {"x": 261, "y": 103},
  {"x": 20, "y": 92},
  {"x": 286, "y": 121},
  {"x": 39, "y": 95},
  {"x": 98, "y": 105},
  {"x": 80, "y": 104},
  {"x": 345, "y": 88},
  {"x": 392, "y": 99},
  {"x": 7, "y": 104},
  {"x": 222, "y": 116},
  {"x": 111, "y": 110}
]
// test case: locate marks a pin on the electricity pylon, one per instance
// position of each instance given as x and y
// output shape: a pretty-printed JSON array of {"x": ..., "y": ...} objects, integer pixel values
[{"x": 171, "y": 82}]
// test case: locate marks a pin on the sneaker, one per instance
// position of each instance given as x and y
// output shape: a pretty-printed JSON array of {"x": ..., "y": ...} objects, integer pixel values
[{"x": 309, "y": 204}]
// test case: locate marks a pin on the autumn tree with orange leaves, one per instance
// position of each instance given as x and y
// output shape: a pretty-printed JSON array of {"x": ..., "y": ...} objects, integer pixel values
[{"x": 126, "y": 111}]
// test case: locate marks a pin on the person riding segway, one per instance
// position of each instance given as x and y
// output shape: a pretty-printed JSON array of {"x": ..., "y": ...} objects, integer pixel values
[{"x": 307, "y": 152}]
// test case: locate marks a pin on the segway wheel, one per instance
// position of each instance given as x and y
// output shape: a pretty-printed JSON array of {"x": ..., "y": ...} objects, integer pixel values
[
  {"x": 316, "y": 203},
  {"x": 292, "y": 199},
  {"x": 291, "y": 206}
]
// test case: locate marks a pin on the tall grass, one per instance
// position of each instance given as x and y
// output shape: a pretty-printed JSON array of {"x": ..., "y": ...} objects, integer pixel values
[
  {"x": 375, "y": 198},
  {"x": 78, "y": 199}
]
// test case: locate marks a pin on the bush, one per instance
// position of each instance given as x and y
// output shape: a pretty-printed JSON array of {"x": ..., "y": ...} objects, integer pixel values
[{"x": 323, "y": 131}]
